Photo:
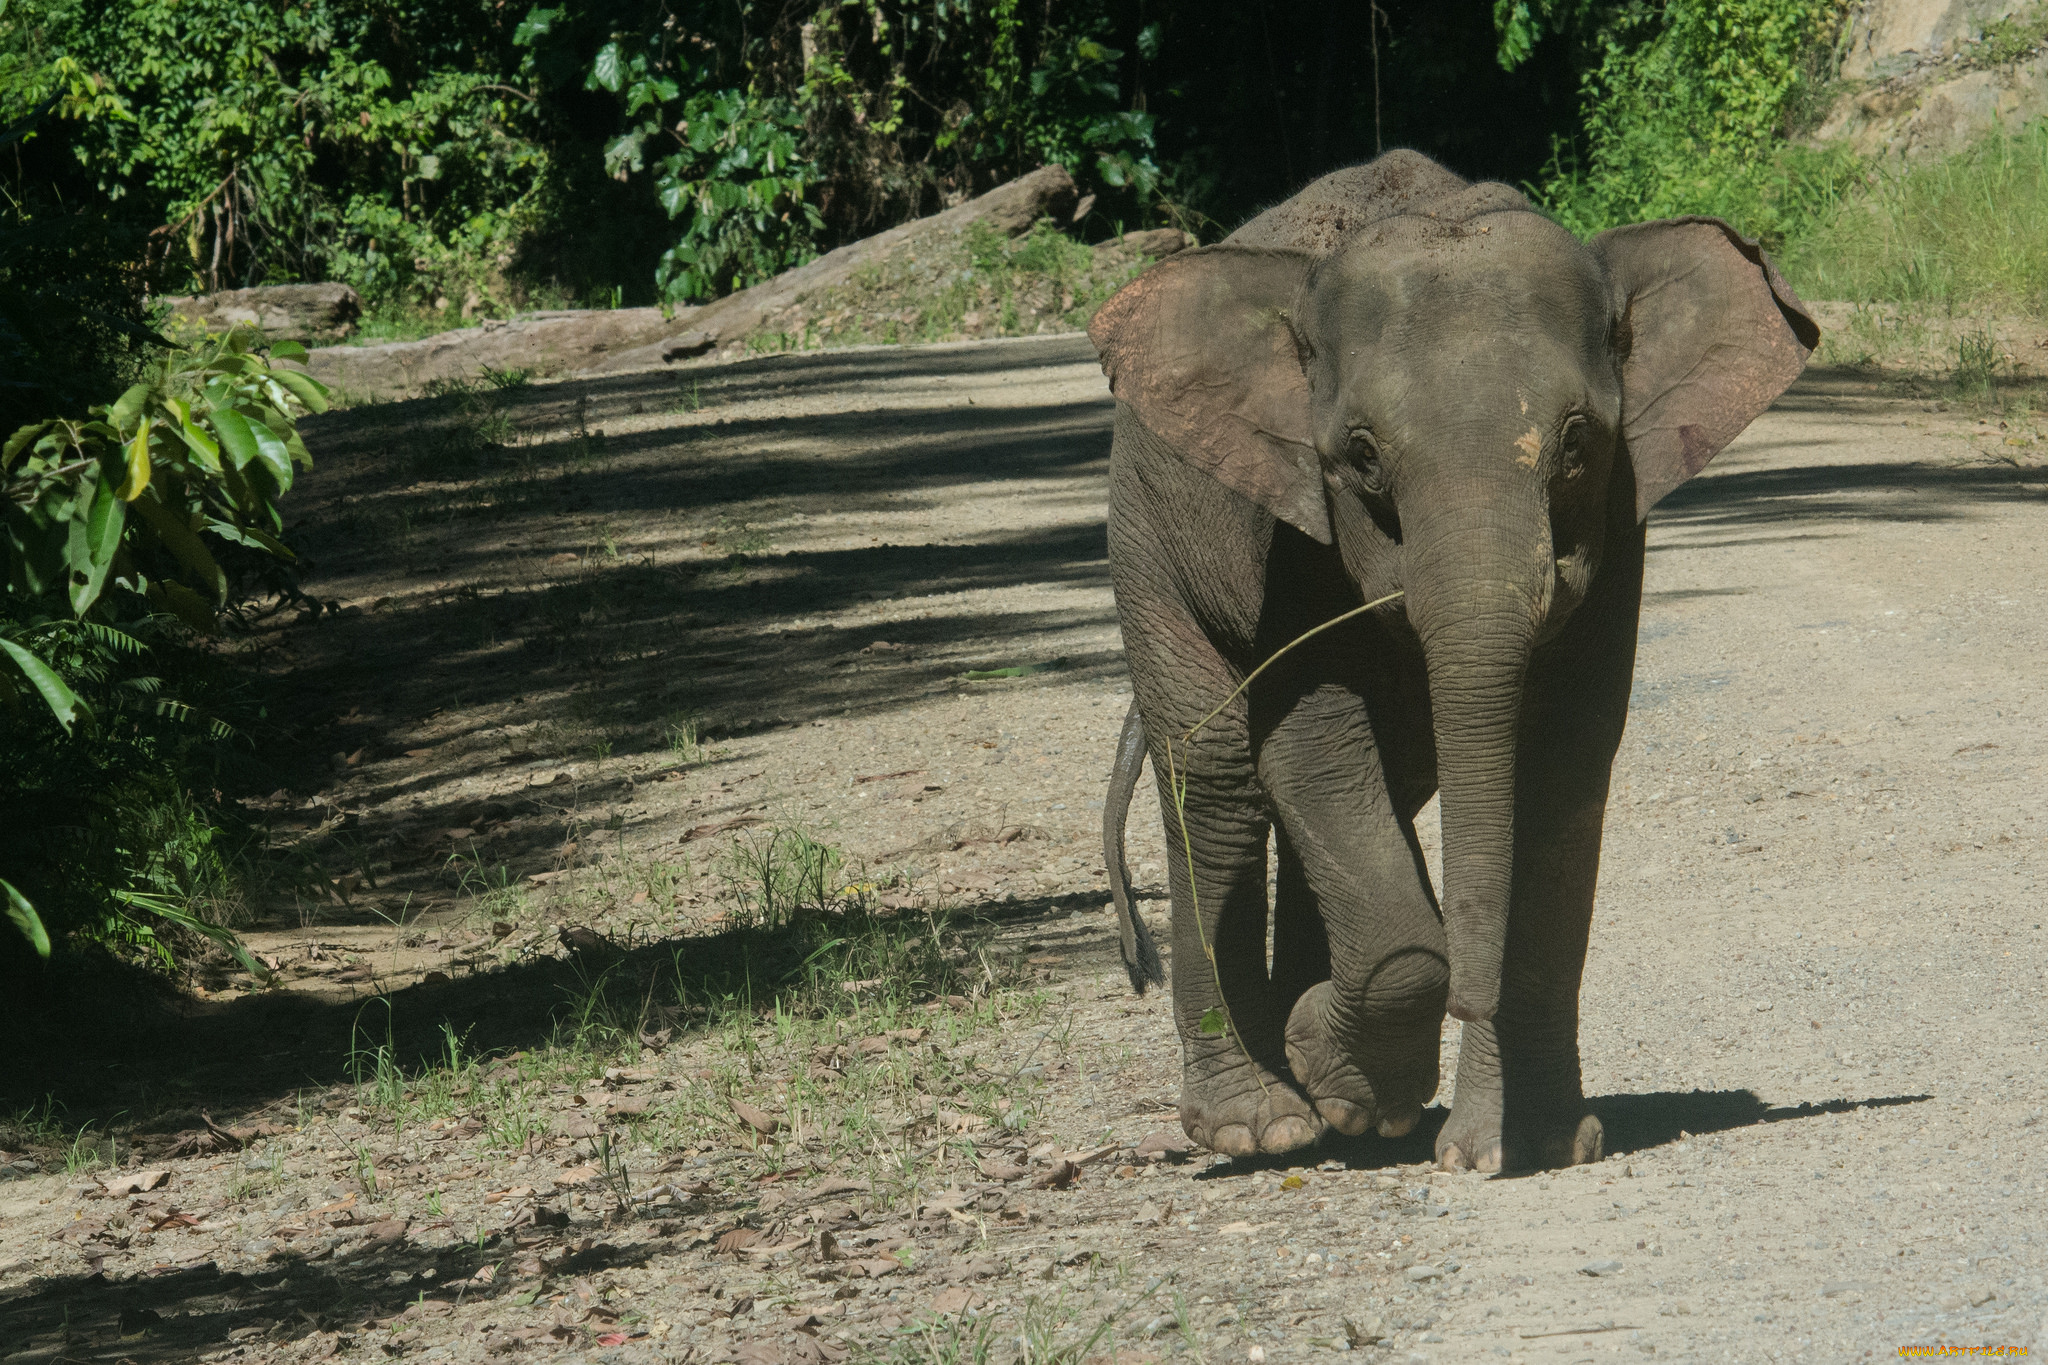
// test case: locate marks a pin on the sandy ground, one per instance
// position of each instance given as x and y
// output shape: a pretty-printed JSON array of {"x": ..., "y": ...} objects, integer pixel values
[{"x": 1811, "y": 1012}]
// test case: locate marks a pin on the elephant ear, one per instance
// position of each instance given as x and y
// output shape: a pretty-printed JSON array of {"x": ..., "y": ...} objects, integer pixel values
[
  {"x": 1711, "y": 335},
  {"x": 1202, "y": 347}
]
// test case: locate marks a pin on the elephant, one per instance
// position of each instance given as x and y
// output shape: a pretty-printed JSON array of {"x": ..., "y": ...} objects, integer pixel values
[{"x": 1401, "y": 382}]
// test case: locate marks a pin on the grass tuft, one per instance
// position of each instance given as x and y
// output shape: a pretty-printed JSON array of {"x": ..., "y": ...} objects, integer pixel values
[{"x": 1953, "y": 232}]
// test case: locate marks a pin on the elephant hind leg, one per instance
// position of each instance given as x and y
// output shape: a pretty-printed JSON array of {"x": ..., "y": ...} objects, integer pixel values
[{"x": 1236, "y": 1096}]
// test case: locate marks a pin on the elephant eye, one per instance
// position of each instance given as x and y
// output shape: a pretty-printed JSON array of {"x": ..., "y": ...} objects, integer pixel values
[
  {"x": 1572, "y": 446},
  {"x": 1365, "y": 459}
]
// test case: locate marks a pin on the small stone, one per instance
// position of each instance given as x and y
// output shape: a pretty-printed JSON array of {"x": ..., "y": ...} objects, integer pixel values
[
  {"x": 1418, "y": 1274},
  {"x": 1367, "y": 1330},
  {"x": 1980, "y": 1297},
  {"x": 1600, "y": 1268},
  {"x": 1949, "y": 1302},
  {"x": 1165, "y": 1144}
]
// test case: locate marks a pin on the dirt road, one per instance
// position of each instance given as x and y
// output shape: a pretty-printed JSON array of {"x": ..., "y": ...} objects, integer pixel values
[{"x": 1813, "y": 1011}]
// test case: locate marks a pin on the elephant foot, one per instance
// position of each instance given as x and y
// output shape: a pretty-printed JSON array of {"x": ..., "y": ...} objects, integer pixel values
[
  {"x": 1236, "y": 1107},
  {"x": 1380, "y": 1081},
  {"x": 1472, "y": 1139}
]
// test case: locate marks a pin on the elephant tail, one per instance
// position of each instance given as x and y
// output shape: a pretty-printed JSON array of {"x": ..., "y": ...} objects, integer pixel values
[{"x": 1141, "y": 954}]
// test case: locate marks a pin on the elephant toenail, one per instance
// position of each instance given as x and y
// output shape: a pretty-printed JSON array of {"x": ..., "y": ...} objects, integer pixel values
[
  {"x": 1400, "y": 1125},
  {"x": 1233, "y": 1139},
  {"x": 1346, "y": 1117},
  {"x": 1286, "y": 1134}
]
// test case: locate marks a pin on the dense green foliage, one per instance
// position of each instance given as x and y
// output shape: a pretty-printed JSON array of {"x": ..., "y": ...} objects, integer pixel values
[
  {"x": 121, "y": 530},
  {"x": 1686, "y": 107},
  {"x": 459, "y": 156}
]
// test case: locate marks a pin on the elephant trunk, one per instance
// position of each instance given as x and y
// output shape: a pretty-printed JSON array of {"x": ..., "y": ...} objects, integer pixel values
[{"x": 1477, "y": 597}]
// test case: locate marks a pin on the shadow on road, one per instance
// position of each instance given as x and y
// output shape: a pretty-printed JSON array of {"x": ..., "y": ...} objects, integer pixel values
[
  {"x": 179, "y": 1312},
  {"x": 148, "y": 1062},
  {"x": 1633, "y": 1123}
]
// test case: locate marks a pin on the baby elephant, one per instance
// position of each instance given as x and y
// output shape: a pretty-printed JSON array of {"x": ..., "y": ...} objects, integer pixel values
[{"x": 1399, "y": 382}]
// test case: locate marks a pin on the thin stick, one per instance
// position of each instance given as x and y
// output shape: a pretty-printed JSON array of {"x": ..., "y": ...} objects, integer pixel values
[{"x": 1271, "y": 659}]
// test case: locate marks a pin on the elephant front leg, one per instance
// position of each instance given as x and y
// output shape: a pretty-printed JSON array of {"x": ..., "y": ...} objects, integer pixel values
[
  {"x": 1363, "y": 1035},
  {"x": 1235, "y": 1096},
  {"x": 1520, "y": 1104}
]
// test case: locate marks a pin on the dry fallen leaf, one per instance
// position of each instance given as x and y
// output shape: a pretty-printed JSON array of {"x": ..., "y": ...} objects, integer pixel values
[
  {"x": 577, "y": 1175},
  {"x": 736, "y": 1240},
  {"x": 1002, "y": 1172},
  {"x": 389, "y": 1231},
  {"x": 760, "y": 1120},
  {"x": 1058, "y": 1178},
  {"x": 958, "y": 1299},
  {"x": 706, "y": 831},
  {"x": 136, "y": 1183}
]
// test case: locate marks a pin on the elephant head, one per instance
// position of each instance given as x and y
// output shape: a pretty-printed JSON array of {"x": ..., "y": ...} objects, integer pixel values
[{"x": 1471, "y": 405}]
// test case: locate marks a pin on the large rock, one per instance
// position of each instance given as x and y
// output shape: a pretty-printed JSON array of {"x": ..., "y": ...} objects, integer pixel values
[
  {"x": 1887, "y": 38},
  {"x": 1919, "y": 79},
  {"x": 540, "y": 344},
  {"x": 282, "y": 312},
  {"x": 727, "y": 323}
]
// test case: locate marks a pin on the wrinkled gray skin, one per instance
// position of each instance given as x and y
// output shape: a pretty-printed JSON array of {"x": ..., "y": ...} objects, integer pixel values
[{"x": 1401, "y": 382}]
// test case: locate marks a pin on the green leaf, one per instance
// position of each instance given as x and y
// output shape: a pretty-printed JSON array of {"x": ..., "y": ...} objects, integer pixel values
[
  {"x": 26, "y": 919},
  {"x": 21, "y": 440},
  {"x": 287, "y": 350},
  {"x": 1213, "y": 1024},
  {"x": 163, "y": 909},
  {"x": 304, "y": 387},
  {"x": 539, "y": 21},
  {"x": 252, "y": 537},
  {"x": 98, "y": 536},
  {"x": 276, "y": 456},
  {"x": 235, "y": 437},
  {"x": 64, "y": 704},
  {"x": 128, "y": 406},
  {"x": 138, "y": 469},
  {"x": 609, "y": 70},
  {"x": 201, "y": 445},
  {"x": 179, "y": 540}
]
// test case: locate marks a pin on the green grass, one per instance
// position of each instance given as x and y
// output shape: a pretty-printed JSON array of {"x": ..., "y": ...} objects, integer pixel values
[
  {"x": 1962, "y": 231},
  {"x": 790, "y": 1008}
]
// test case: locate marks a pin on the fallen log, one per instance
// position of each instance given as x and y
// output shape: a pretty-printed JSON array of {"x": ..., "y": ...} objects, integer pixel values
[
  {"x": 726, "y": 324},
  {"x": 612, "y": 341},
  {"x": 282, "y": 312}
]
